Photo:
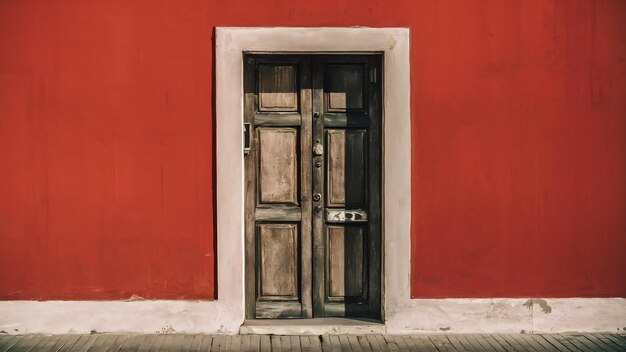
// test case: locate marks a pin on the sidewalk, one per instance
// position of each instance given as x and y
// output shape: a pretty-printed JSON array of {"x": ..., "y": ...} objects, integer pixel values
[{"x": 572, "y": 342}]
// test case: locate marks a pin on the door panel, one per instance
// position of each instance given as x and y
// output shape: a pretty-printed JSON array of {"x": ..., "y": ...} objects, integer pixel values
[
  {"x": 277, "y": 88},
  {"x": 313, "y": 185},
  {"x": 278, "y": 261},
  {"x": 346, "y": 162},
  {"x": 278, "y": 165},
  {"x": 346, "y": 263}
]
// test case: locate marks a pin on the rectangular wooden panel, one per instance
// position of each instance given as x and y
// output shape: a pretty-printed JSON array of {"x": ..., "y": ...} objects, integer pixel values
[
  {"x": 277, "y": 88},
  {"x": 346, "y": 168},
  {"x": 346, "y": 261},
  {"x": 278, "y": 260},
  {"x": 278, "y": 165},
  {"x": 344, "y": 86}
]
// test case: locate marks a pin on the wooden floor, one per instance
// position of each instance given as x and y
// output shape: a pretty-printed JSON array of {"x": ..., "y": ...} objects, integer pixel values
[{"x": 433, "y": 343}]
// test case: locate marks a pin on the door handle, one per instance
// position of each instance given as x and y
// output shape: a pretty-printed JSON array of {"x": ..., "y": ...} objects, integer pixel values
[{"x": 246, "y": 138}]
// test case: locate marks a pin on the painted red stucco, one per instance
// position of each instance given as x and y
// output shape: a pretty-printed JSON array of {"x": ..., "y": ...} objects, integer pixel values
[{"x": 106, "y": 144}]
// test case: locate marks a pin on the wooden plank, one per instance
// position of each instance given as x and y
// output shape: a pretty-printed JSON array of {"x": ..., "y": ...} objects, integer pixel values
[
  {"x": 504, "y": 347},
  {"x": 10, "y": 341},
  {"x": 540, "y": 343},
  {"x": 60, "y": 341},
  {"x": 514, "y": 342},
  {"x": 101, "y": 343},
  {"x": 354, "y": 342},
  {"x": 245, "y": 342},
  {"x": 196, "y": 342},
  {"x": 423, "y": 343},
  {"x": 382, "y": 343},
  {"x": 480, "y": 342},
  {"x": 116, "y": 344},
  {"x": 335, "y": 343},
  {"x": 4, "y": 338},
  {"x": 409, "y": 342},
  {"x": 616, "y": 340},
  {"x": 277, "y": 120},
  {"x": 205, "y": 344},
  {"x": 153, "y": 343},
  {"x": 295, "y": 343},
  {"x": 363, "y": 343},
  {"x": 266, "y": 344},
  {"x": 132, "y": 343},
  {"x": 235, "y": 343},
  {"x": 305, "y": 344},
  {"x": 316, "y": 343},
  {"x": 278, "y": 213},
  {"x": 25, "y": 344},
  {"x": 346, "y": 120},
  {"x": 276, "y": 344},
  {"x": 584, "y": 347},
  {"x": 344, "y": 343},
  {"x": 558, "y": 345},
  {"x": 255, "y": 343},
  {"x": 87, "y": 343},
  {"x": 167, "y": 343},
  {"x": 508, "y": 343},
  {"x": 375, "y": 346},
  {"x": 594, "y": 344},
  {"x": 475, "y": 344},
  {"x": 285, "y": 343},
  {"x": 74, "y": 343},
  {"x": 602, "y": 342},
  {"x": 391, "y": 344},
  {"x": 565, "y": 341},
  {"x": 529, "y": 341},
  {"x": 458, "y": 345}
]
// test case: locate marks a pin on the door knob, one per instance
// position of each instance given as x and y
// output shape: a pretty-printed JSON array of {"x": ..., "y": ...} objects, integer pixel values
[
  {"x": 318, "y": 149},
  {"x": 317, "y": 197}
]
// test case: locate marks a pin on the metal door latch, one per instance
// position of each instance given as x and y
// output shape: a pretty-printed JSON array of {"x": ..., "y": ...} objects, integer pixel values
[{"x": 246, "y": 138}]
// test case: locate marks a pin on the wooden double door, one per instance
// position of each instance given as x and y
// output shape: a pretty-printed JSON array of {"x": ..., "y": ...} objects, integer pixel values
[{"x": 312, "y": 184}]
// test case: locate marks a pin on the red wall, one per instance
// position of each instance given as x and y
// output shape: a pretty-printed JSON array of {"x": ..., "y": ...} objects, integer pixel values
[{"x": 106, "y": 144}]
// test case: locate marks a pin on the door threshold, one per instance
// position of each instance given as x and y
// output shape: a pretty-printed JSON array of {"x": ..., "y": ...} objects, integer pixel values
[{"x": 315, "y": 326}]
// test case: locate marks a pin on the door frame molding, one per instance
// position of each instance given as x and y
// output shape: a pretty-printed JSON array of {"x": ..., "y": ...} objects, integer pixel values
[{"x": 230, "y": 45}]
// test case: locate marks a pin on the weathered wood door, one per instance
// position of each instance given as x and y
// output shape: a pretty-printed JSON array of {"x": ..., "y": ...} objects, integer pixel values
[{"x": 312, "y": 171}]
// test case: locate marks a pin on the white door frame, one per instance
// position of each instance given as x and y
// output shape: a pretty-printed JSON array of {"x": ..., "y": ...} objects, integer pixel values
[{"x": 231, "y": 44}]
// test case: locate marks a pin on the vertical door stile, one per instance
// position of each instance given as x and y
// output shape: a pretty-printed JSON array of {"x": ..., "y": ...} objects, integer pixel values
[
  {"x": 306, "y": 105},
  {"x": 318, "y": 230},
  {"x": 375, "y": 179},
  {"x": 250, "y": 188}
]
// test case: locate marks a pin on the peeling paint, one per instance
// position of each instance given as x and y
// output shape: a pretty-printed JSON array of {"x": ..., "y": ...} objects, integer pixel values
[{"x": 542, "y": 303}]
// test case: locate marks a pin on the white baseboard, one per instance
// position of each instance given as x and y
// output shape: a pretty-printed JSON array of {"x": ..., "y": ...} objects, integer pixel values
[{"x": 497, "y": 315}]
